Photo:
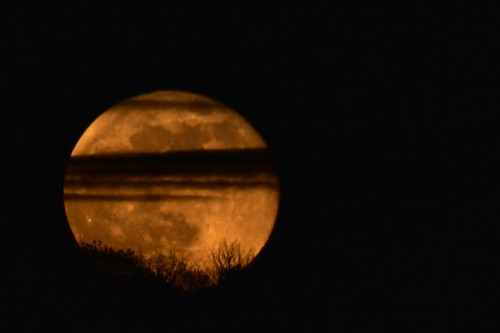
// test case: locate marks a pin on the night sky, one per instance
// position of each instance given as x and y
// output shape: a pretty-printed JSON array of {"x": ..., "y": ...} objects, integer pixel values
[{"x": 379, "y": 122}]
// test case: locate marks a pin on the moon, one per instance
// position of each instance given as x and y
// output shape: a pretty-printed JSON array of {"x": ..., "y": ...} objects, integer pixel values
[{"x": 171, "y": 170}]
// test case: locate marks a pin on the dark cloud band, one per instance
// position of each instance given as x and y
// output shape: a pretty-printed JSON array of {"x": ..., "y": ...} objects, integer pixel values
[{"x": 134, "y": 197}]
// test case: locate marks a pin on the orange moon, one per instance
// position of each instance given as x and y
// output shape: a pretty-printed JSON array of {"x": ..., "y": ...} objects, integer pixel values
[{"x": 171, "y": 170}]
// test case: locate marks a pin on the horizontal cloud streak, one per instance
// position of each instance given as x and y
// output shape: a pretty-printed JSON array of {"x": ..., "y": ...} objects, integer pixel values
[
  {"x": 133, "y": 197},
  {"x": 241, "y": 163},
  {"x": 104, "y": 183},
  {"x": 222, "y": 156}
]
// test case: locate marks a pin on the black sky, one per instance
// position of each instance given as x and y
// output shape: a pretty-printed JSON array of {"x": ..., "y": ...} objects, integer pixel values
[{"x": 378, "y": 120}]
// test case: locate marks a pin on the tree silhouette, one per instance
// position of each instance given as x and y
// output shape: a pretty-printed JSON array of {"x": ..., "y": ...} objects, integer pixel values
[
  {"x": 125, "y": 264},
  {"x": 229, "y": 258},
  {"x": 171, "y": 269}
]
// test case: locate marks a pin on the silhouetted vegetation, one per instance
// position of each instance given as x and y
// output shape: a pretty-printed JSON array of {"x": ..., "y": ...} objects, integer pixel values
[
  {"x": 174, "y": 270},
  {"x": 229, "y": 258},
  {"x": 171, "y": 268}
]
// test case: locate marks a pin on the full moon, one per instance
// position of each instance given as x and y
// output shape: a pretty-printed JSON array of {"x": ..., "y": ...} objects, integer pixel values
[{"x": 171, "y": 170}]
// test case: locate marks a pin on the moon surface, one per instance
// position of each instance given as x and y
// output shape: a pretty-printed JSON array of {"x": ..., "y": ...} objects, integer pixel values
[{"x": 171, "y": 170}]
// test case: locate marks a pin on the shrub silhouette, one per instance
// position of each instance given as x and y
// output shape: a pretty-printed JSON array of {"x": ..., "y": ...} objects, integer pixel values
[
  {"x": 173, "y": 269},
  {"x": 124, "y": 264},
  {"x": 226, "y": 259},
  {"x": 229, "y": 258}
]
